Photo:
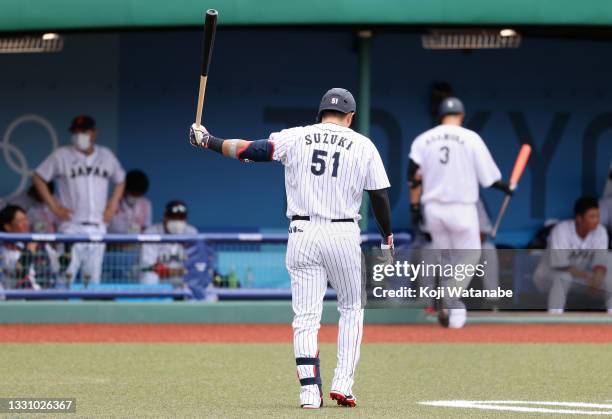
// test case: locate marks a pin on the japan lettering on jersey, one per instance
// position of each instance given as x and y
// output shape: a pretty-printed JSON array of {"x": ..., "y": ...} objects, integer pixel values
[
  {"x": 566, "y": 248},
  {"x": 453, "y": 162},
  {"x": 82, "y": 180},
  {"x": 327, "y": 168}
]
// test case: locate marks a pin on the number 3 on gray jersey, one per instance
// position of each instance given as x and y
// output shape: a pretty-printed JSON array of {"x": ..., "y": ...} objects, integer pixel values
[{"x": 444, "y": 154}]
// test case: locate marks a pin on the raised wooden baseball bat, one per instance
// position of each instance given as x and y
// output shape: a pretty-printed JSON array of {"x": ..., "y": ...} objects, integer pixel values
[
  {"x": 210, "y": 27},
  {"x": 519, "y": 168}
]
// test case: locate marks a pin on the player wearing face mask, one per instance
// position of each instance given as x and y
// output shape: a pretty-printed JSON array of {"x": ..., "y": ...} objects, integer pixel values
[
  {"x": 82, "y": 173},
  {"x": 134, "y": 214},
  {"x": 165, "y": 261}
]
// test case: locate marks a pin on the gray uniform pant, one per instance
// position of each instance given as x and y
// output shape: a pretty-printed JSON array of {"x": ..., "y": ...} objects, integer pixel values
[{"x": 558, "y": 283}]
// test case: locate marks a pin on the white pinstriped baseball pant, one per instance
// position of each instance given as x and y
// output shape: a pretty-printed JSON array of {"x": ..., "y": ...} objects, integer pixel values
[{"x": 318, "y": 252}]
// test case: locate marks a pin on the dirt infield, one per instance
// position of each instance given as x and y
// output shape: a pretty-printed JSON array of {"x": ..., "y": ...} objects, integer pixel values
[{"x": 248, "y": 333}]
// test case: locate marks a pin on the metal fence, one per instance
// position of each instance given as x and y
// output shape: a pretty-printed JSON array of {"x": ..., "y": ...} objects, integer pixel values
[{"x": 111, "y": 266}]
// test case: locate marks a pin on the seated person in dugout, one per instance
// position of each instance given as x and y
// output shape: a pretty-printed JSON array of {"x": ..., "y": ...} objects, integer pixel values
[
  {"x": 40, "y": 216},
  {"x": 166, "y": 260},
  {"x": 576, "y": 258},
  {"x": 24, "y": 265},
  {"x": 135, "y": 210}
]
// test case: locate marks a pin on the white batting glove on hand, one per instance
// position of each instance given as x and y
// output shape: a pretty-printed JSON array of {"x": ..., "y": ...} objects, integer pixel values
[
  {"x": 387, "y": 244},
  {"x": 198, "y": 136},
  {"x": 387, "y": 251}
]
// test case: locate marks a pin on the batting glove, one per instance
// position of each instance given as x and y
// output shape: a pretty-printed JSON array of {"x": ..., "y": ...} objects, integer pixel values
[
  {"x": 387, "y": 244},
  {"x": 504, "y": 187},
  {"x": 387, "y": 251},
  {"x": 198, "y": 136}
]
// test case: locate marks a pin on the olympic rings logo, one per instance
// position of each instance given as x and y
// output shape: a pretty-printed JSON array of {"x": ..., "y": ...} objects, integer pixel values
[{"x": 15, "y": 158}]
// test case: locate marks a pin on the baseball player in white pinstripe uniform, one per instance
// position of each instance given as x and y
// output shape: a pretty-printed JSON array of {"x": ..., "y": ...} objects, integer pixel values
[{"x": 327, "y": 168}]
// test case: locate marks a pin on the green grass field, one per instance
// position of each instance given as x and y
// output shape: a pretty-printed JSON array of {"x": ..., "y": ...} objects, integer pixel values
[{"x": 232, "y": 380}]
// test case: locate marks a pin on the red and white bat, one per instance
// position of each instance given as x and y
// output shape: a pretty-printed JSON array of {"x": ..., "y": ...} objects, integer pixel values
[{"x": 517, "y": 171}]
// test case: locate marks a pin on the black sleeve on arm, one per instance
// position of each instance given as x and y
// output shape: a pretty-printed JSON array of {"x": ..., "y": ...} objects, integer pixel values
[
  {"x": 382, "y": 210},
  {"x": 502, "y": 186},
  {"x": 412, "y": 171},
  {"x": 215, "y": 144}
]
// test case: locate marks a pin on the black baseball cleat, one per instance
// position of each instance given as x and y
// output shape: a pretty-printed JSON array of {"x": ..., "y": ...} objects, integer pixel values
[
  {"x": 443, "y": 317},
  {"x": 342, "y": 399}
]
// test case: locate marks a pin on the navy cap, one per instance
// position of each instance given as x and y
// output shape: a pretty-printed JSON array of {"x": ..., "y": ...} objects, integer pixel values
[
  {"x": 83, "y": 122},
  {"x": 176, "y": 209},
  {"x": 450, "y": 106},
  {"x": 337, "y": 99}
]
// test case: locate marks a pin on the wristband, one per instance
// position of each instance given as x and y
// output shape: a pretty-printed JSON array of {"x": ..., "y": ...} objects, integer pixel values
[
  {"x": 387, "y": 243},
  {"x": 215, "y": 144}
]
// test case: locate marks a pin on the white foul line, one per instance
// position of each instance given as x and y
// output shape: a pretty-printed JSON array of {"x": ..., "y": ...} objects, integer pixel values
[{"x": 503, "y": 405}]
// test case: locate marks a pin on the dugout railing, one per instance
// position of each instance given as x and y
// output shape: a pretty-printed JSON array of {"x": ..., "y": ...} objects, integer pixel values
[{"x": 203, "y": 266}]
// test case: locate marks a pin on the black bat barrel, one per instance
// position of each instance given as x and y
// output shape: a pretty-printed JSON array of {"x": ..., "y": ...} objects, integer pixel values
[{"x": 210, "y": 27}]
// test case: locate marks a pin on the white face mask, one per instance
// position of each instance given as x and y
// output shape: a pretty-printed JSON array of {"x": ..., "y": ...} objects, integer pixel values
[
  {"x": 132, "y": 200},
  {"x": 176, "y": 226},
  {"x": 81, "y": 140}
]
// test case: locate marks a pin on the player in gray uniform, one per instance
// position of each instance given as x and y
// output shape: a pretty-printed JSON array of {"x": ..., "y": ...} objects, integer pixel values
[
  {"x": 447, "y": 165},
  {"x": 576, "y": 258},
  {"x": 327, "y": 168},
  {"x": 490, "y": 280},
  {"x": 82, "y": 173}
]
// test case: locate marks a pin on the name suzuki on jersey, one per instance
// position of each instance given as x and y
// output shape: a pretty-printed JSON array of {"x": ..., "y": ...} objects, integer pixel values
[{"x": 325, "y": 138}]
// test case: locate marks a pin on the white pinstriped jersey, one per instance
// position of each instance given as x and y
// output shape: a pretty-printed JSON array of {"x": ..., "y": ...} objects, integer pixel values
[
  {"x": 327, "y": 168},
  {"x": 453, "y": 160}
]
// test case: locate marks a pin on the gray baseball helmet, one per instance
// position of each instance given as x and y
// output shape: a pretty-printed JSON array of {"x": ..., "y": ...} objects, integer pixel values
[
  {"x": 450, "y": 106},
  {"x": 337, "y": 99}
]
